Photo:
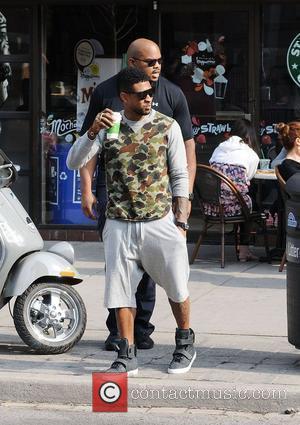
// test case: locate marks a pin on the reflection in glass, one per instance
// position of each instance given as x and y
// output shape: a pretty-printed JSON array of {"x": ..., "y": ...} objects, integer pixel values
[
  {"x": 21, "y": 189},
  {"x": 14, "y": 136},
  {"x": 280, "y": 94},
  {"x": 5, "y": 71},
  {"x": 17, "y": 23},
  {"x": 18, "y": 88}
]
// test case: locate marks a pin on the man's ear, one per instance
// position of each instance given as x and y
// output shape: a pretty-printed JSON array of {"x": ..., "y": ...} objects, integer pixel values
[
  {"x": 123, "y": 96},
  {"x": 130, "y": 61}
]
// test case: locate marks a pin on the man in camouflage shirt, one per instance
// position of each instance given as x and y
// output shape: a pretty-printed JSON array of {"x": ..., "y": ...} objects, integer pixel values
[{"x": 146, "y": 170}]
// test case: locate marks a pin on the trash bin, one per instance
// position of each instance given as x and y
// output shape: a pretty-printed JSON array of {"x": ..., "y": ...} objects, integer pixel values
[
  {"x": 293, "y": 259},
  {"x": 63, "y": 189}
]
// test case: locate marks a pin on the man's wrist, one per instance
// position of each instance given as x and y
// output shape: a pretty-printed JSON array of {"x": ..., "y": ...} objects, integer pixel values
[
  {"x": 181, "y": 219},
  {"x": 86, "y": 192},
  {"x": 181, "y": 208},
  {"x": 92, "y": 134},
  {"x": 182, "y": 224}
]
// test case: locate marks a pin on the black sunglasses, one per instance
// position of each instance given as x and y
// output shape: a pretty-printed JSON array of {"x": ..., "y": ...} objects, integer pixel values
[
  {"x": 141, "y": 95},
  {"x": 150, "y": 62}
]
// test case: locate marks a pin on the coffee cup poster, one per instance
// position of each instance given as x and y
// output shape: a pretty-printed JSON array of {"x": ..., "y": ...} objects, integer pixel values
[
  {"x": 202, "y": 74},
  {"x": 92, "y": 69}
]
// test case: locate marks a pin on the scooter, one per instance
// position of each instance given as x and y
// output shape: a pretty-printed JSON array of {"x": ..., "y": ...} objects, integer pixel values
[{"x": 49, "y": 315}]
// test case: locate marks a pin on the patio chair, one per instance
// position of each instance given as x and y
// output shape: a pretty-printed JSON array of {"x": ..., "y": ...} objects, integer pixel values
[
  {"x": 208, "y": 190},
  {"x": 284, "y": 197}
]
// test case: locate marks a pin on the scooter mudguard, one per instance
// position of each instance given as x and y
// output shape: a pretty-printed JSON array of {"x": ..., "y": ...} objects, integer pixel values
[{"x": 37, "y": 265}]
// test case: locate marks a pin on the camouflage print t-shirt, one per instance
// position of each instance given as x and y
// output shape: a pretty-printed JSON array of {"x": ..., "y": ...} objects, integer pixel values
[{"x": 137, "y": 171}]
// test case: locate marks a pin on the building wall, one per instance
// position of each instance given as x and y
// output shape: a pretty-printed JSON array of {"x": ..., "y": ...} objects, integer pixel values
[{"x": 229, "y": 59}]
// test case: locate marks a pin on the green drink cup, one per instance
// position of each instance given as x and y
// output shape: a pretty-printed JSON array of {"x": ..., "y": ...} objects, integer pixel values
[{"x": 113, "y": 131}]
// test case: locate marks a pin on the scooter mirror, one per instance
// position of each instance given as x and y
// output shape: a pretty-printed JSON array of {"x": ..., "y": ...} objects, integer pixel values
[{"x": 8, "y": 172}]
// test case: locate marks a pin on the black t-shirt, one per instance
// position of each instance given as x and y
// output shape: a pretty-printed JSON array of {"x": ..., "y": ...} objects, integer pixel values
[
  {"x": 104, "y": 96},
  {"x": 168, "y": 99},
  {"x": 288, "y": 168}
]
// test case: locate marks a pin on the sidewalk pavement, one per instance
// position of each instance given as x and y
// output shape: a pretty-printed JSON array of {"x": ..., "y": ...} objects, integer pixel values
[{"x": 244, "y": 361}]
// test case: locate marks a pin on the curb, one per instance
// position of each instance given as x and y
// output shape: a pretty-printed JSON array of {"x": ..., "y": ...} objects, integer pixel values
[{"x": 77, "y": 390}]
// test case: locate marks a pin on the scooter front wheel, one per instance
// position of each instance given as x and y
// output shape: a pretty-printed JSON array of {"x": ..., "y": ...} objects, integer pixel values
[{"x": 50, "y": 317}]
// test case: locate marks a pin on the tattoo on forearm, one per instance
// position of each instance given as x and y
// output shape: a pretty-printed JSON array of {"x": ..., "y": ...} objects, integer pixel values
[{"x": 181, "y": 208}]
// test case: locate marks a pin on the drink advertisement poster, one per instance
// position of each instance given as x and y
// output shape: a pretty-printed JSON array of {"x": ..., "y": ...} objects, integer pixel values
[{"x": 88, "y": 78}]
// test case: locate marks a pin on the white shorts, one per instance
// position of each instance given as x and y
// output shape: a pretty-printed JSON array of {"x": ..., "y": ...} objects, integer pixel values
[{"x": 132, "y": 248}]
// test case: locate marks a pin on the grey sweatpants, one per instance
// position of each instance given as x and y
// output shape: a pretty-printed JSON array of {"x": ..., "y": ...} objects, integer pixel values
[{"x": 132, "y": 248}]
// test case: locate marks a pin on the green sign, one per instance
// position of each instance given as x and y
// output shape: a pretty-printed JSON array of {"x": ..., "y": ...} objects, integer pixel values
[{"x": 293, "y": 60}]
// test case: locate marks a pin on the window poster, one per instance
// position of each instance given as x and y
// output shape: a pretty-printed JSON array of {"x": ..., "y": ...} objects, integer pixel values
[
  {"x": 88, "y": 78},
  {"x": 202, "y": 74}
]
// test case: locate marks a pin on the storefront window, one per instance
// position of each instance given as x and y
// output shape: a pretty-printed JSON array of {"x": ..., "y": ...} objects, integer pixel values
[
  {"x": 207, "y": 56},
  {"x": 98, "y": 37},
  {"x": 280, "y": 72},
  {"x": 15, "y": 69}
]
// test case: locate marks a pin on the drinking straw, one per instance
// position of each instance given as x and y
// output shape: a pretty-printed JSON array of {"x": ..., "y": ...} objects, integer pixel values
[{"x": 263, "y": 155}]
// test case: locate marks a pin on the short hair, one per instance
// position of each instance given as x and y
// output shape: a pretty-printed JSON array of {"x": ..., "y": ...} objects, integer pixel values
[
  {"x": 245, "y": 130},
  {"x": 127, "y": 77},
  {"x": 288, "y": 133}
]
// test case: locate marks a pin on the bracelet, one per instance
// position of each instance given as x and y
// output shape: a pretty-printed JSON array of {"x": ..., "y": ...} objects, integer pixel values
[{"x": 91, "y": 135}]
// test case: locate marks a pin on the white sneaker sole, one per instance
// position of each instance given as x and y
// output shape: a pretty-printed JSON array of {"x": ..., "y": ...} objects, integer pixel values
[
  {"x": 184, "y": 369},
  {"x": 133, "y": 372}
]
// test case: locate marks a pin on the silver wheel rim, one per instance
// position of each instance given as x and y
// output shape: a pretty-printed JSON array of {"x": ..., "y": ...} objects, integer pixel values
[{"x": 52, "y": 314}]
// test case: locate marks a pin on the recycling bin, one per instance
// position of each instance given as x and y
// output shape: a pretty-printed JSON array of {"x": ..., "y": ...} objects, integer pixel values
[
  {"x": 63, "y": 189},
  {"x": 293, "y": 259}
]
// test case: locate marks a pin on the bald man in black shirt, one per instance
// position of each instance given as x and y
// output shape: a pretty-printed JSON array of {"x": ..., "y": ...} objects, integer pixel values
[{"x": 169, "y": 100}]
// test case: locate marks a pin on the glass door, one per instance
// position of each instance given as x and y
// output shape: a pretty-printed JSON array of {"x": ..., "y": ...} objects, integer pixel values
[{"x": 207, "y": 51}]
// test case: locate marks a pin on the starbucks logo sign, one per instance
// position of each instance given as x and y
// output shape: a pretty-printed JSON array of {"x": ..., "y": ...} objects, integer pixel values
[{"x": 293, "y": 60}]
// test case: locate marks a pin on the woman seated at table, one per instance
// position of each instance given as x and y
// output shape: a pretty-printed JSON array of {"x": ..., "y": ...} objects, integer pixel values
[
  {"x": 236, "y": 159},
  {"x": 290, "y": 136}
]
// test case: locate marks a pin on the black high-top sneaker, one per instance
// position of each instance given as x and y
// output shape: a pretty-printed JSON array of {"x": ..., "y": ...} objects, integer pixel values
[
  {"x": 185, "y": 353},
  {"x": 126, "y": 360},
  {"x": 111, "y": 342}
]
